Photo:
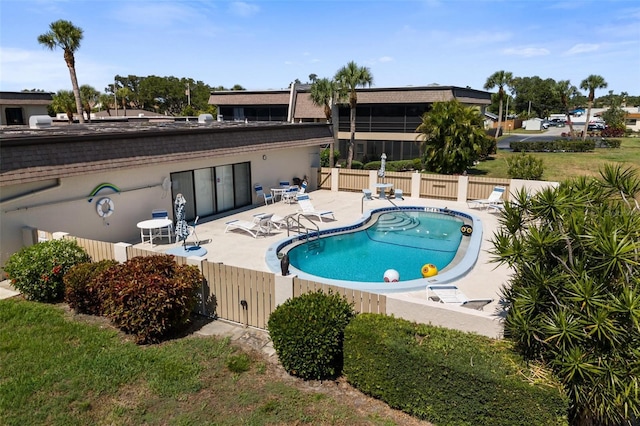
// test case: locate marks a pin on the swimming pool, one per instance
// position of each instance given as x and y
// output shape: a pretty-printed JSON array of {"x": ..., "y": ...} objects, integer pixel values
[{"x": 403, "y": 239}]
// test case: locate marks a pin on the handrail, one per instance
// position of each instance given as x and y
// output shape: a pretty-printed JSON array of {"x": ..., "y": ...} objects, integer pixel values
[{"x": 296, "y": 219}]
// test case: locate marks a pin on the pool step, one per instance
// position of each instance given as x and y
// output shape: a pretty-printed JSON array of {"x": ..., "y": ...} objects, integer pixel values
[
  {"x": 396, "y": 222},
  {"x": 316, "y": 245}
]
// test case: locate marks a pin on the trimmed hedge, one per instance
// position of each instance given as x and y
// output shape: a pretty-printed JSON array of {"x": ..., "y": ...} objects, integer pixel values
[
  {"x": 446, "y": 376},
  {"x": 395, "y": 166},
  {"x": 307, "y": 333},
  {"x": 558, "y": 145}
]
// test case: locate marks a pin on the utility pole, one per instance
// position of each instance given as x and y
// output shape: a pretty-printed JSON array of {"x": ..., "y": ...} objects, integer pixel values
[{"x": 115, "y": 97}]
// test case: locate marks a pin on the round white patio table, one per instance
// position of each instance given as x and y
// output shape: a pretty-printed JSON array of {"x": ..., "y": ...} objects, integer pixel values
[
  {"x": 152, "y": 225},
  {"x": 383, "y": 187}
]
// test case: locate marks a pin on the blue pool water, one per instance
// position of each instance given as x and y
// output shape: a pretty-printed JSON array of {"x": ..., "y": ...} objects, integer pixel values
[
  {"x": 403, "y": 241},
  {"x": 356, "y": 256}
]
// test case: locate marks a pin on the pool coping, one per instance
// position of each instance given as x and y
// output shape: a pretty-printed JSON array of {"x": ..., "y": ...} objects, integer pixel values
[{"x": 461, "y": 269}]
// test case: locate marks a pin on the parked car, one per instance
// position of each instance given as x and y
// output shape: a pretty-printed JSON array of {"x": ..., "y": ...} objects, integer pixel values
[
  {"x": 597, "y": 125},
  {"x": 577, "y": 112},
  {"x": 558, "y": 122}
]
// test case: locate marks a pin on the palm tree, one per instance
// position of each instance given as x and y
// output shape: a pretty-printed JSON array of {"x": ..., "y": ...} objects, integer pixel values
[
  {"x": 65, "y": 35},
  {"x": 499, "y": 79},
  {"x": 453, "y": 137},
  {"x": 566, "y": 91},
  {"x": 63, "y": 101},
  {"x": 323, "y": 93},
  {"x": 89, "y": 96},
  {"x": 348, "y": 79},
  {"x": 105, "y": 101},
  {"x": 590, "y": 84}
]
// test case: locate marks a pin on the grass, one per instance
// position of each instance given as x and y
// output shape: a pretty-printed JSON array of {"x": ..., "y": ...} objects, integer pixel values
[
  {"x": 562, "y": 165},
  {"x": 57, "y": 370}
]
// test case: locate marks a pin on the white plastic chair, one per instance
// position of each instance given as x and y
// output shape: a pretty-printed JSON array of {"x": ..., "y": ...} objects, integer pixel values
[
  {"x": 306, "y": 207},
  {"x": 267, "y": 196},
  {"x": 494, "y": 198},
  {"x": 167, "y": 231}
]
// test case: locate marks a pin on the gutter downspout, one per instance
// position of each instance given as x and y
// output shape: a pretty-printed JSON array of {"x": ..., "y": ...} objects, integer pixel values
[{"x": 292, "y": 102}]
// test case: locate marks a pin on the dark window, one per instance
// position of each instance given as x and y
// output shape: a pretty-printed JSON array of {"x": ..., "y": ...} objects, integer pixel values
[{"x": 14, "y": 116}]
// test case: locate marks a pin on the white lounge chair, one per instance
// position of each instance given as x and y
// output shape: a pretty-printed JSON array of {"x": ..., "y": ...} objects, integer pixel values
[
  {"x": 494, "y": 198},
  {"x": 307, "y": 208},
  {"x": 451, "y": 294},
  {"x": 260, "y": 226}
]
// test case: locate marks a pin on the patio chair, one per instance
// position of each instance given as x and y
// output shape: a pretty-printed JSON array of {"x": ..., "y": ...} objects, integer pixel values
[
  {"x": 302, "y": 190},
  {"x": 494, "y": 198},
  {"x": 192, "y": 231},
  {"x": 267, "y": 196},
  {"x": 290, "y": 195},
  {"x": 284, "y": 184},
  {"x": 167, "y": 231},
  {"x": 260, "y": 226},
  {"x": 451, "y": 294},
  {"x": 306, "y": 207}
]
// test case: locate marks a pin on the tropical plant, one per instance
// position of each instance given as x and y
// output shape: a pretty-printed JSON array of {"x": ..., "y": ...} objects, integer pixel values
[
  {"x": 323, "y": 93},
  {"x": 566, "y": 91},
  {"x": 499, "y": 79},
  {"x": 525, "y": 166},
  {"x": 591, "y": 84},
  {"x": 615, "y": 116},
  {"x": 348, "y": 79},
  {"x": 453, "y": 137},
  {"x": 106, "y": 102},
  {"x": 37, "y": 271},
  {"x": 90, "y": 96},
  {"x": 65, "y": 35},
  {"x": 573, "y": 301},
  {"x": 63, "y": 101}
]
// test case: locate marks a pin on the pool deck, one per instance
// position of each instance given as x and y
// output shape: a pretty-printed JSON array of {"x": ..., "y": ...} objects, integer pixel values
[{"x": 239, "y": 248}]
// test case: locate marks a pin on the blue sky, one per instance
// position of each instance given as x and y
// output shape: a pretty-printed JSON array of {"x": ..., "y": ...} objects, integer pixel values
[{"x": 267, "y": 44}]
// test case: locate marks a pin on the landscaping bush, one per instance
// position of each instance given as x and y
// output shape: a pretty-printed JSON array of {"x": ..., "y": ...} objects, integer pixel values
[
  {"x": 447, "y": 376},
  {"x": 307, "y": 333},
  {"x": 395, "y": 166},
  {"x": 558, "y": 145},
  {"x": 356, "y": 165},
  {"x": 37, "y": 271},
  {"x": 83, "y": 288},
  {"x": 324, "y": 157},
  {"x": 150, "y": 297},
  {"x": 525, "y": 166}
]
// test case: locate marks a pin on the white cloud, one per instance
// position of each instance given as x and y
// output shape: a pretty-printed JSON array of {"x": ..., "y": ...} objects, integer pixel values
[
  {"x": 526, "y": 52},
  {"x": 386, "y": 59},
  {"x": 582, "y": 48},
  {"x": 241, "y": 8}
]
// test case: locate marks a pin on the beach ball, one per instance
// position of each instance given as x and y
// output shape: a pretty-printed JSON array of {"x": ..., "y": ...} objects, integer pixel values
[
  {"x": 391, "y": 276},
  {"x": 429, "y": 270}
]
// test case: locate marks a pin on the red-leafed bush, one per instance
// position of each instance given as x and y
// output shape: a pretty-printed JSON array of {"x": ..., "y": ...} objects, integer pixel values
[
  {"x": 150, "y": 297},
  {"x": 83, "y": 286}
]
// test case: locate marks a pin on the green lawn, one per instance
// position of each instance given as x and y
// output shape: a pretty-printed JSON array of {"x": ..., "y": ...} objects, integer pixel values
[
  {"x": 560, "y": 166},
  {"x": 56, "y": 370}
]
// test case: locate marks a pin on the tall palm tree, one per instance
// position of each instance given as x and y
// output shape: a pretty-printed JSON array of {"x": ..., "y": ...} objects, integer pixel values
[
  {"x": 590, "y": 84},
  {"x": 323, "y": 92},
  {"x": 65, "y": 35},
  {"x": 499, "y": 79},
  {"x": 566, "y": 91},
  {"x": 348, "y": 79},
  {"x": 105, "y": 101}
]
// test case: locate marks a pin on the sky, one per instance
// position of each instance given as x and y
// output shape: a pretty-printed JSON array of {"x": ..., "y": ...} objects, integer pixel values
[{"x": 267, "y": 44}]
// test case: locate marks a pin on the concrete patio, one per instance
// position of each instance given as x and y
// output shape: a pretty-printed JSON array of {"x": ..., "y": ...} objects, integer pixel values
[{"x": 239, "y": 248}]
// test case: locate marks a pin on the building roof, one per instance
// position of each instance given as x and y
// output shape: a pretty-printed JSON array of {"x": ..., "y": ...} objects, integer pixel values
[
  {"x": 242, "y": 97},
  {"x": 60, "y": 151},
  {"x": 25, "y": 98}
]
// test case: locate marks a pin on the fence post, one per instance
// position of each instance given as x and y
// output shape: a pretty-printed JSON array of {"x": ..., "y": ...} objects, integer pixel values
[
  {"x": 335, "y": 179},
  {"x": 284, "y": 288},
  {"x": 463, "y": 188},
  {"x": 416, "y": 178},
  {"x": 198, "y": 261},
  {"x": 29, "y": 236},
  {"x": 120, "y": 252},
  {"x": 373, "y": 179}
]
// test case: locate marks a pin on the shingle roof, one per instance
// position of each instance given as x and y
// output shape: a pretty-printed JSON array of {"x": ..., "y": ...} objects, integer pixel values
[
  {"x": 35, "y": 155},
  {"x": 25, "y": 98},
  {"x": 273, "y": 97}
]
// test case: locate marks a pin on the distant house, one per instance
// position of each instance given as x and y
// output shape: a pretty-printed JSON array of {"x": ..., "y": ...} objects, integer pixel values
[
  {"x": 17, "y": 107},
  {"x": 386, "y": 118}
]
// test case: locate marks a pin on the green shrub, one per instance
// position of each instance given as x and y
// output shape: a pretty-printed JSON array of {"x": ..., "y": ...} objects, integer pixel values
[
  {"x": 447, "y": 376},
  {"x": 356, "y": 165},
  {"x": 238, "y": 363},
  {"x": 307, "y": 333},
  {"x": 150, "y": 297},
  {"x": 83, "y": 288},
  {"x": 525, "y": 166},
  {"x": 558, "y": 145},
  {"x": 395, "y": 166},
  {"x": 324, "y": 157},
  {"x": 37, "y": 271}
]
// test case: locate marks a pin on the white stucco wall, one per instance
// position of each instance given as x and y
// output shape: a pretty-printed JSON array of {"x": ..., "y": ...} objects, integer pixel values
[{"x": 66, "y": 208}]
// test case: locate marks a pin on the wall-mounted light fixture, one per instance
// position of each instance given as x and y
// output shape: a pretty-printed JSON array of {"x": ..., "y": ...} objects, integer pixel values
[{"x": 264, "y": 157}]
